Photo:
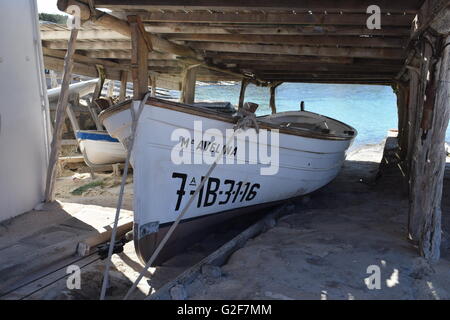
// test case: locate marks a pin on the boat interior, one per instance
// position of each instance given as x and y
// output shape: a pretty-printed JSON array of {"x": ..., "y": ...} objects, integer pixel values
[{"x": 309, "y": 122}]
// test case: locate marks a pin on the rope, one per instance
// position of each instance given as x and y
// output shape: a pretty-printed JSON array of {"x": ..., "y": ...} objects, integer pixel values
[
  {"x": 242, "y": 123},
  {"x": 135, "y": 117},
  {"x": 246, "y": 118}
]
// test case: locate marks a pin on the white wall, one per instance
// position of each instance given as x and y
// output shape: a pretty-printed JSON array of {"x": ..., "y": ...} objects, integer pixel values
[{"x": 23, "y": 110}]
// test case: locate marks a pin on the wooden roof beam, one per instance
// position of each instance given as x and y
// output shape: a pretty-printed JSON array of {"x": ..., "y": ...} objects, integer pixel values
[
  {"x": 111, "y": 22},
  {"x": 385, "y": 82},
  {"x": 434, "y": 14},
  {"x": 125, "y": 54},
  {"x": 225, "y": 57},
  {"x": 165, "y": 28},
  {"x": 304, "y": 5},
  {"x": 54, "y": 63},
  {"x": 335, "y": 77},
  {"x": 83, "y": 35},
  {"x": 295, "y": 40},
  {"x": 380, "y": 53},
  {"x": 274, "y": 18},
  {"x": 249, "y": 39},
  {"x": 121, "y": 26},
  {"x": 83, "y": 59},
  {"x": 305, "y": 67}
]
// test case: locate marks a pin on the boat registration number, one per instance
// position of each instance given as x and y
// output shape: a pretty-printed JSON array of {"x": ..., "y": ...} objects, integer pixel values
[{"x": 215, "y": 191}]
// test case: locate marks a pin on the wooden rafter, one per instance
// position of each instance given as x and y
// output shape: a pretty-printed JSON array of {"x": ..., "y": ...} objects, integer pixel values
[
  {"x": 329, "y": 5},
  {"x": 333, "y": 41},
  {"x": 386, "y": 53},
  {"x": 409, "y": 6},
  {"x": 275, "y": 18}
]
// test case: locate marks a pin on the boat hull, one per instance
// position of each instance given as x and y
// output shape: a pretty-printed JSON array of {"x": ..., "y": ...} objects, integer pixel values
[
  {"x": 163, "y": 188},
  {"x": 99, "y": 148}
]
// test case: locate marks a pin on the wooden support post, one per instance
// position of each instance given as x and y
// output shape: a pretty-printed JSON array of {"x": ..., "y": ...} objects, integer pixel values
[
  {"x": 153, "y": 78},
  {"x": 428, "y": 160},
  {"x": 273, "y": 88},
  {"x": 244, "y": 84},
  {"x": 123, "y": 85},
  {"x": 111, "y": 88},
  {"x": 97, "y": 92},
  {"x": 188, "y": 85},
  {"x": 413, "y": 103},
  {"x": 60, "y": 117},
  {"x": 53, "y": 79},
  {"x": 73, "y": 118},
  {"x": 139, "y": 57},
  {"x": 401, "y": 90}
]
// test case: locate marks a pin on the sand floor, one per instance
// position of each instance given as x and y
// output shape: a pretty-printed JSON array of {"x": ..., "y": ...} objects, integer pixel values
[
  {"x": 321, "y": 251},
  {"x": 324, "y": 249}
]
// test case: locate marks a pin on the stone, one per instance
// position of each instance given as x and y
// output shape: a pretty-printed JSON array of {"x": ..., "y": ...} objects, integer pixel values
[
  {"x": 421, "y": 268},
  {"x": 178, "y": 292},
  {"x": 211, "y": 271},
  {"x": 270, "y": 223}
]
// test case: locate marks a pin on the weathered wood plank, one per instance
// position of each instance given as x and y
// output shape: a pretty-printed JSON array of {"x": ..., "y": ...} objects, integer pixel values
[
  {"x": 346, "y": 41},
  {"x": 83, "y": 35},
  {"x": 428, "y": 165},
  {"x": 244, "y": 85},
  {"x": 272, "y": 102},
  {"x": 81, "y": 58},
  {"x": 59, "y": 119},
  {"x": 225, "y": 57},
  {"x": 108, "y": 21},
  {"x": 139, "y": 58},
  {"x": 310, "y": 67},
  {"x": 330, "y": 5},
  {"x": 275, "y": 18},
  {"x": 386, "y": 53},
  {"x": 167, "y": 28},
  {"x": 123, "y": 85},
  {"x": 121, "y": 26},
  {"x": 402, "y": 91},
  {"x": 323, "y": 41},
  {"x": 126, "y": 54},
  {"x": 188, "y": 90}
]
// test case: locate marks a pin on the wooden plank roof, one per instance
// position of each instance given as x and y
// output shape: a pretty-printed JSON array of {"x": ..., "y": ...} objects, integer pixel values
[{"x": 284, "y": 40}]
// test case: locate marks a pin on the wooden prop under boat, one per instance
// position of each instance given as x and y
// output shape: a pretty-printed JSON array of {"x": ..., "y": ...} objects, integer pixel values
[
  {"x": 100, "y": 148},
  {"x": 311, "y": 151}
]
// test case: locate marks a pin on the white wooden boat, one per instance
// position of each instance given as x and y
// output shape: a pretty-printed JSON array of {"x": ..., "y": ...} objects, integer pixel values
[
  {"x": 311, "y": 152},
  {"x": 99, "y": 148}
]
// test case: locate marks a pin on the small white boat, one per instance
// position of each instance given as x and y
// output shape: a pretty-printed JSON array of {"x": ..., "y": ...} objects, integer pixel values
[
  {"x": 99, "y": 148},
  {"x": 311, "y": 151}
]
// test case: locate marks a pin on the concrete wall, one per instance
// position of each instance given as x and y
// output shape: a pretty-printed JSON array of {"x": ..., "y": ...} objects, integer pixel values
[{"x": 23, "y": 110}]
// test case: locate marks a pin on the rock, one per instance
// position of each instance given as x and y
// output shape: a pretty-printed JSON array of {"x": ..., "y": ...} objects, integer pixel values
[
  {"x": 421, "y": 268},
  {"x": 211, "y": 271},
  {"x": 178, "y": 292},
  {"x": 270, "y": 223}
]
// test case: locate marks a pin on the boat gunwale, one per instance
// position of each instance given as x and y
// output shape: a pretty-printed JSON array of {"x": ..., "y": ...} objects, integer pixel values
[{"x": 216, "y": 115}]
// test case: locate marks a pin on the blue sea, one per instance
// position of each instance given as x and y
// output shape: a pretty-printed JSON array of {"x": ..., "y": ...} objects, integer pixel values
[{"x": 371, "y": 109}]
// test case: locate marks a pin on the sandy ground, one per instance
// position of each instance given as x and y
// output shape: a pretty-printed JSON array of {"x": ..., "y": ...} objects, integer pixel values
[
  {"x": 103, "y": 190},
  {"x": 87, "y": 205},
  {"x": 324, "y": 249}
]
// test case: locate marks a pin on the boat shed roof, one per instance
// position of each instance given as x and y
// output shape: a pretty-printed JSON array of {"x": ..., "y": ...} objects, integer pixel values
[{"x": 321, "y": 41}]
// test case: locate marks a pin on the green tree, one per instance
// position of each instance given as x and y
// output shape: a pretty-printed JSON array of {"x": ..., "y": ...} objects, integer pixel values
[{"x": 55, "y": 18}]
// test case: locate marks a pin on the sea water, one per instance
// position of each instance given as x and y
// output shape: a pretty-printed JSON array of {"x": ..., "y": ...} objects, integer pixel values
[{"x": 370, "y": 109}]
